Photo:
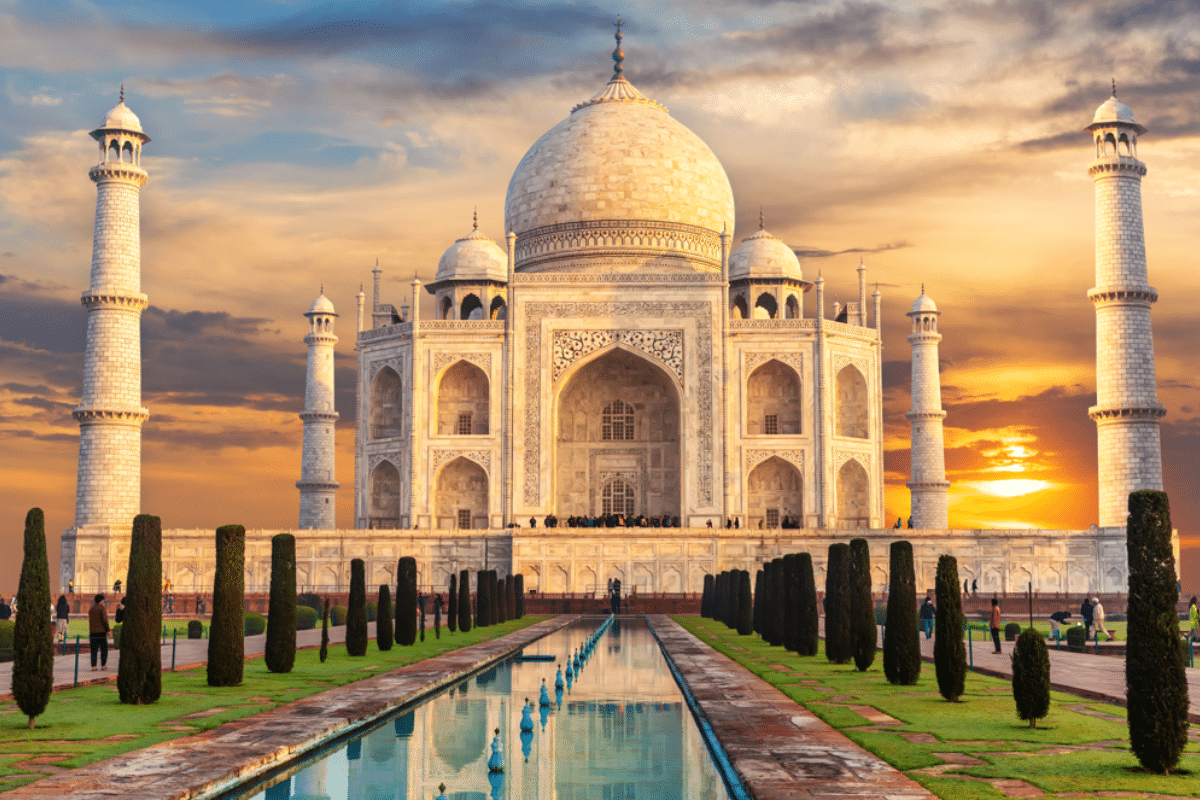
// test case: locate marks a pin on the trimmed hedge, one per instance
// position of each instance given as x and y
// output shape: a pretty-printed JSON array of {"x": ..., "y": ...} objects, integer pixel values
[
  {"x": 195, "y": 629},
  {"x": 356, "y": 616},
  {"x": 808, "y": 639},
  {"x": 33, "y": 635},
  {"x": 483, "y": 607},
  {"x": 863, "y": 634},
  {"x": 310, "y": 600},
  {"x": 501, "y": 600},
  {"x": 519, "y": 592},
  {"x": 791, "y": 613},
  {"x": 706, "y": 598},
  {"x": 1076, "y": 639},
  {"x": 6, "y": 640},
  {"x": 1011, "y": 631},
  {"x": 337, "y": 615},
  {"x": 452, "y": 612},
  {"x": 949, "y": 652},
  {"x": 280, "y": 652},
  {"x": 464, "y": 601},
  {"x": 406, "y": 601},
  {"x": 324, "y": 651},
  {"x": 745, "y": 604},
  {"x": 139, "y": 670},
  {"x": 1031, "y": 676},
  {"x": 256, "y": 624},
  {"x": 383, "y": 623},
  {"x": 226, "y": 645},
  {"x": 306, "y": 618},
  {"x": 756, "y": 618},
  {"x": 839, "y": 644},
  {"x": 510, "y": 596},
  {"x": 116, "y": 632},
  {"x": 901, "y": 641}
]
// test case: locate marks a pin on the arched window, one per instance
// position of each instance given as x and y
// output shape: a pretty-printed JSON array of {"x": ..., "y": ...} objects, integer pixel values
[
  {"x": 471, "y": 308},
  {"x": 792, "y": 308},
  {"x": 386, "y": 405},
  {"x": 774, "y": 405},
  {"x": 463, "y": 401},
  {"x": 765, "y": 306},
  {"x": 617, "y": 422},
  {"x": 852, "y": 496},
  {"x": 852, "y": 404},
  {"x": 618, "y": 498},
  {"x": 446, "y": 305},
  {"x": 738, "y": 309},
  {"x": 497, "y": 310},
  {"x": 127, "y": 153},
  {"x": 385, "y": 496},
  {"x": 114, "y": 151}
]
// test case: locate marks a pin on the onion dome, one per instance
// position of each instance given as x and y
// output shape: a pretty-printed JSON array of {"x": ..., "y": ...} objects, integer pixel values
[
  {"x": 1113, "y": 112},
  {"x": 474, "y": 257},
  {"x": 120, "y": 117},
  {"x": 763, "y": 256},
  {"x": 924, "y": 304},
  {"x": 322, "y": 305}
]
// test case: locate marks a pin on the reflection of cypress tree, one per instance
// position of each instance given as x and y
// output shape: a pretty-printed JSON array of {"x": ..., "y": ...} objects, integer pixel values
[
  {"x": 280, "y": 652},
  {"x": 356, "y": 612},
  {"x": 33, "y": 638},
  {"x": 226, "y": 632},
  {"x": 406, "y": 601},
  {"x": 1156, "y": 684},
  {"x": 139, "y": 671},
  {"x": 791, "y": 615},
  {"x": 839, "y": 647},
  {"x": 758, "y": 601},
  {"x": 452, "y": 612},
  {"x": 808, "y": 636},
  {"x": 706, "y": 597},
  {"x": 745, "y": 604},
  {"x": 519, "y": 591},
  {"x": 383, "y": 620},
  {"x": 483, "y": 611},
  {"x": 464, "y": 601},
  {"x": 949, "y": 653},
  {"x": 863, "y": 635},
  {"x": 901, "y": 645}
]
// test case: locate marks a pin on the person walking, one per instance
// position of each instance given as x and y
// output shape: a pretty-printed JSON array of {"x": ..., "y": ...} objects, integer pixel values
[
  {"x": 98, "y": 632},
  {"x": 928, "y": 612},
  {"x": 1056, "y": 621},
  {"x": 1087, "y": 611},
  {"x": 994, "y": 623},
  {"x": 1193, "y": 620},
  {"x": 1098, "y": 619},
  {"x": 62, "y": 614}
]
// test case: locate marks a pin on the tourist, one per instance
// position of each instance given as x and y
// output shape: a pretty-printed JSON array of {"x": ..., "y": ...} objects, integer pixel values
[
  {"x": 1193, "y": 620},
  {"x": 116, "y": 587},
  {"x": 974, "y": 588},
  {"x": 994, "y": 623},
  {"x": 1056, "y": 621},
  {"x": 898, "y": 524},
  {"x": 928, "y": 612},
  {"x": 119, "y": 614},
  {"x": 1086, "y": 610},
  {"x": 62, "y": 613},
  {"x": 966, "y": 588},
  {"x": 98, "y": 632},
  {"x": 1098, "y": 619},
  {"x": 5, "y": 611}
]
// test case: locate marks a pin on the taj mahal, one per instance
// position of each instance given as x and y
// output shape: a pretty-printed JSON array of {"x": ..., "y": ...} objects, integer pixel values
[{"x": 617, "y": 356}]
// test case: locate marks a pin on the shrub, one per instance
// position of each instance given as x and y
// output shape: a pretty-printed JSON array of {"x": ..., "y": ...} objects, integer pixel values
[
  {"x": 502, "y": 600},
  {"x": 310, "y": 600},
  {"x": 464, "y": 601},
  {"x": 280, "y": 651},
  {"x": 519, "y": 592},
  {"x": 1011, "y": 631},
  {"x": 356, "y": 616},
  {"x": 773, "y": 581},
  {"x": 745, "y": 605},
  {"x": 758, "y": 600},
  {"x": 1155, "y": 681},
  {"x": 494, "y": 596},
  {"x": 510, "y": 596},
  {"x": 901, "y": 645},
  {"x": 718, "y": 598},
  {"x": 139, "y": 670},
  {"x": 483, "y": 608},
  {"x": 337, "y": 615},
  {"x": 383, "y": 623},
  {"x": 863, "y": 633},
  {"x": 33, "y": 635},
  {"x": 406, "y": 601},
  {"x": 839, "y": 646},
  {"x": 452, "y": 612},
  {"x": 706, "y": 598},
  {"x": 6, "y": 640},
  {"x": 1076, "y": 639},
  {"x": 1031, "y": 676},
  {"x": 306, "y": 618},
  {"x": 256, "y": 624},
  {"x": 324, "y": 652},
  {"x": 808, "y": 639},
  {"x": 949, "y": 652},
  {"x": 195, "y": 629},
  {"x": 116, "y": 632},
  {"x": 226, "y": 645},
  {"x": 790, "y": 609}
]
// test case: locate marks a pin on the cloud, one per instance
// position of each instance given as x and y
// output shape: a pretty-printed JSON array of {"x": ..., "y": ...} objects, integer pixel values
[{"x": 810, "y": 252}]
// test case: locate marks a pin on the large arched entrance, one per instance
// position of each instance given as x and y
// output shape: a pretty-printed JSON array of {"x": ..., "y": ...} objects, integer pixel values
[
  {"x": 462, "y": 495},
  {"x": 384, "y": 509},
  {"x": 853, "y": 504},
  {"x": 775, "y": 494},
  {"x": 617, "y": 445}
]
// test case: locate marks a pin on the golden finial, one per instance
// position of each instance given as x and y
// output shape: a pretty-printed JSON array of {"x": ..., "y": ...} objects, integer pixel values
[
  {"x": 322, "y": 288},
  {"x": 762, "y": 221},
  {"x": 122, "y": 93},
  {"x": 618, "y": 54},
  {"x": 475, "y": 223},
  {"x": 1114, "y": 80},
  {"x": 922, "y": 287}
]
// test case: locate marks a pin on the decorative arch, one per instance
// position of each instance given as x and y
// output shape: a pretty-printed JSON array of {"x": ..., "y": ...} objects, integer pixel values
[
  {"x": 738, "y": 308},
  {"x": 853, "y": 495},
  {"x": 387, "y": 401},
  {"x": 852, "y": 403},
  {"x": 791, "y": 309},
  {"x": 766, "y": 307},
  {"x": 444, "y": 308},
  {"x": 463, "y": 404},
  {"x": 618, "y": 496},
  {"x": 461, "y": 499},
  {"x": 384, "y": 507},
  {"x": 498, "y": 308},
  {"x": 774, "y": 405},
  {"x": 471, "y": 308},
  {"x": 532, "y": 577},
  {"x": 774, "y": 493},
  {"x": 114, "y": 151},
  {"x": 127, "y": 153}
]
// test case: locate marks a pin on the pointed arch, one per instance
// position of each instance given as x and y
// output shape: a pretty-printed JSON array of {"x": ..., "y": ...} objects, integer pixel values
[
  {"x": 853, "y": 495},
  {"x": 384, "y": 506},
  {"x": 774, "y": 492},
  {"x": 852, "y": 403},
  {"x": 774, "y": 405},
  {"x": 792, "y": 307},
  {"x": 738, "y": 308},
  {"x": 461, "y": 499},
  {"x": 463, "y": 401},
  {"x": 766, "y": 307},
  {"x": 471, "y": 307},
  {"x": 498, "y": 308},
  {"x": 444, "y": 308},
  {"x": 387, "y": 404}
]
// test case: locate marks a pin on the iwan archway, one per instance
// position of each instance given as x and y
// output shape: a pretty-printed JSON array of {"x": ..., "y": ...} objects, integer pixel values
[{"x": 617, "y": 444}]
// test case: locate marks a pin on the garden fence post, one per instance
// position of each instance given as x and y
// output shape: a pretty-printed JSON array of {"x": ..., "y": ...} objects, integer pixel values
[
  {"x": 1097, "y": 635},
  {"x": 970, "y": 645},
  {"x": 77, "y": 659},
  {"x": 174, "y": 639}
]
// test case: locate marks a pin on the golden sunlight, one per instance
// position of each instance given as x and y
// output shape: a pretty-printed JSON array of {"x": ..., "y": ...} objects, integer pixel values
[{"x": 1009, "y": 487}]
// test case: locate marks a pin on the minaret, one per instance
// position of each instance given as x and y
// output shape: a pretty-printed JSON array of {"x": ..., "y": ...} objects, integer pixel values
[
  {"x": 928, "y": 486},
  {"x": 317, "y": 484},
  {"x": 110, "y": 413},
  {"x": 1127, "y": 408}
]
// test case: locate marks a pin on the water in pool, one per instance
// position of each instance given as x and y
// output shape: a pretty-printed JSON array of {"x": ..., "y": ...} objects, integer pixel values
[{"x": 619, "y": 731}]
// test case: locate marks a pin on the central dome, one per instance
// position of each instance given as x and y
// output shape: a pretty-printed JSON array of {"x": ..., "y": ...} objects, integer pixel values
[{"x": 619, "y": 179}]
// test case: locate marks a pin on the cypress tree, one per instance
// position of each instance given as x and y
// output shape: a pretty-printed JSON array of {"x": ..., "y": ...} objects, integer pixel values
[
  {"x": 280, "y": 653},
  {"x": 769, "y": 600},
  {"x": 510, "y": 596},
  {"x": 33, "y": 635},
  {"x": 1031, "y": 676},
  {"x": 501, "y": 600},
  {"x": 383, "y": 620},
  {"x": 706, "y": 597},
  {"x": 779, "y": 606},
  {"x": 324, "y": 652},
  {"x": 949, "y": 652},
  {"x": 790, "y": 606},
  {"x": 226, "y": 642},
  {"x": 839, "y": 646},
  {"x": 863, "y": 633},
  {"x": 716, "y": 603},
  {"x": 1156, "y": 684},
  {"x": 356, "y": 611},
  {"x": 437, "y": 616},
  {"x": 519, "y": 592},
  {"x": 901, "y": 644},
  {"x": 494, "y": 596},
  {"x": 483, "y": 612},
  {"x": 464, "y": 601},
  {"x": 452, "y": 612},
  {"x": 731, "y": 598},
  {"x": 758, "y": 601},
  {"x": 808, "y": 639},
  {"x": 139, "y": 671},
  {"x": 406, "y": 601},
  {"x": 745, "y": 604}
]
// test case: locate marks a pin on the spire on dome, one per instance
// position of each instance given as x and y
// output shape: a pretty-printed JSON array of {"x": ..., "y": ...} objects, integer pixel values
[
  {"x": 123, "y": 93},
  {"x": 475, "y": 219},
  {"x": 762, "y": 221},
  {"x": 618, "y": 54},
  {"x": 1114, "y": 80}
]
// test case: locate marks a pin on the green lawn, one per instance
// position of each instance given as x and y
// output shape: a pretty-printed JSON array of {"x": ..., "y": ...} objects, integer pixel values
[
  {"x": 1081, "y": 746},
  {"x": 89, "y": 724}
]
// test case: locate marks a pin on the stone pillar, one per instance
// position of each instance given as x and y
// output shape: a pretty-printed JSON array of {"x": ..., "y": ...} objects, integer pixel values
[
  {"x": 928, "y": 486},
  {"x": 110, "y": 412},
  {"x": 1127, "y": 410},
  {"x": 317, "y": 482}
]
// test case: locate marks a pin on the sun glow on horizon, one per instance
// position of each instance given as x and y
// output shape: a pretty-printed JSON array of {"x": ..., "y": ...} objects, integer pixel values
[{"x": 1009, "y": 487}]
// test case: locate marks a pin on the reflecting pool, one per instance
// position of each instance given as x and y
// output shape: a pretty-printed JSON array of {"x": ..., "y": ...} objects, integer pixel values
[{"x": 619, "y": 730}]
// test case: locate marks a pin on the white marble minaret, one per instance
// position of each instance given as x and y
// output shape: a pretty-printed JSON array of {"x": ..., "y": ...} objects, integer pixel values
[
  {"x": 1127, "y": 410},
  {"x": 110, "y": 413},
  {"x": 317, "y": 485},
  {"x": 928, "y": 485}
]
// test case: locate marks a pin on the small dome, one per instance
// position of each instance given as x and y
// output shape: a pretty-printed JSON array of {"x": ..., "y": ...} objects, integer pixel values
[
  {"x": 923, "y": 304},
  {"x": 1113, "y": 110},
  {"x": 763, "y": 256},
  {"x": 121, "y": 117},
  {"x": 322, "y": 305},
  {"x": 474, "y": 257}
]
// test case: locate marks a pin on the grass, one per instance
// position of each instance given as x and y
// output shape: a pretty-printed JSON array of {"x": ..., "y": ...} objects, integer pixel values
[
  {"x": 1071, "y": 750},
  {"x": 80, "y": 724}
]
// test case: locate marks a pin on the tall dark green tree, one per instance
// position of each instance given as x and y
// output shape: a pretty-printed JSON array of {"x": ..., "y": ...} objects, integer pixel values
[
  {"x": 839, "y": 645},
  {"x": 494, "y": 596},
  {"x": 226, "y": 632},
  {"x": 356, "y": 611},
  {"x": 771, "y": 632},
  {"x": 745, "y": 604},
  {"x": 706, "y": 596},
  {"x": 949, "y": 653},
  {"x": 383, "y": 619},
  {"x": 501, "y": 600},
  {"x": 718, "y": 605},
  {"x": 901, "y": 645},
  {"x": 758, "y": 600},
  {"x": 483, "y": 608},
  {"x": 863, "y": 633},
  {"x": 452, "y": 611},
  {"x": 324, "y": 652},
  {"x": 779, "y": 605},
  {"x": 1031, "y": 676},
  {"x": 464, "y": 601},
  {"x": 33, "y": 636},
  {"x": 406, "y": 601},
  {"x": 280, "y": 653},
  {"x": 808, "y": 640},
  {"x": 790, "y": 607},
  {"x": 1155, "y": 681},
  {"x": 139, "y": 671},
  {"x": 510, "y": 596},
  {"x": 519, "y": 590}
]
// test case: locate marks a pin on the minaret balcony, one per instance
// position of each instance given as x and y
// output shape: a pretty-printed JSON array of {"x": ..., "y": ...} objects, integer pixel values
[
  {"x": 116, "y": 170},
  {"x": 1141, "y": 297},
  {"x": 1151, "y": 411},
  {"x": 132, "y": 301},
  {"x": 1116, "y": 164},
  {"x": 319, "y": 416}
]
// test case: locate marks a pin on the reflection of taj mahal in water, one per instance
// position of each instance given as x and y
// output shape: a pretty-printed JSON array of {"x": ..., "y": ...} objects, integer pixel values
[{"x": 621, "y": 355}]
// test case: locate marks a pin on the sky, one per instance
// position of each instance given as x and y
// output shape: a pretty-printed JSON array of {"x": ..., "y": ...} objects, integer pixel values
[{"x": 293, "y": 143}]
